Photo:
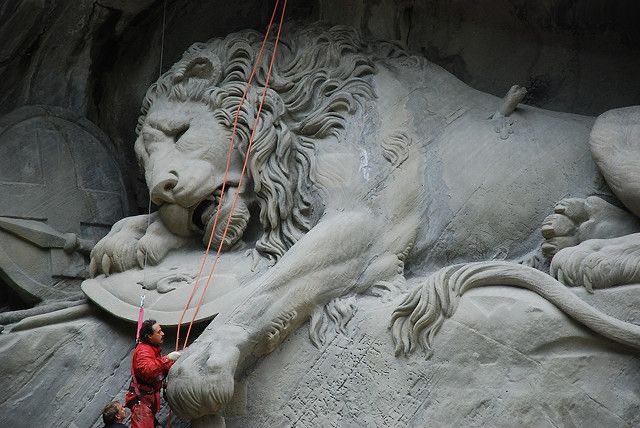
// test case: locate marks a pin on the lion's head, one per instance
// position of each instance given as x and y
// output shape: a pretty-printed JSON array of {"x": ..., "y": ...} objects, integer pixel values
[{"x": 187, "y": 117}]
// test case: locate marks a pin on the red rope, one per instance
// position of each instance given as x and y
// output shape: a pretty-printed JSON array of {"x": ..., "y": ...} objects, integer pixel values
[
  {"x": 224, "y": 182},
  {"x": 140, "y": 318},
  {"x": 244, "y": 167},
  {"x": 136, "y": 388}
]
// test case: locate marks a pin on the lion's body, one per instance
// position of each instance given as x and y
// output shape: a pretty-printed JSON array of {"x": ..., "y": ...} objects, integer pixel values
[
  {"x": 368, "y": 164},
  {"x": 479, "y": 196}
]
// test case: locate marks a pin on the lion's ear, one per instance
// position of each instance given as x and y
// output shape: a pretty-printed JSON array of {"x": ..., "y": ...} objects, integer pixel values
[{"x": 206, "y": 67}]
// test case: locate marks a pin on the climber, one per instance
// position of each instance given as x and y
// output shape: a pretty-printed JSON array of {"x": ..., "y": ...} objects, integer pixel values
[{"x": 149, "y": 369}]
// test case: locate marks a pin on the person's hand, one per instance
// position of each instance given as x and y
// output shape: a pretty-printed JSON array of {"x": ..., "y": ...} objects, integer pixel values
[{"x": 173, "y": 356}]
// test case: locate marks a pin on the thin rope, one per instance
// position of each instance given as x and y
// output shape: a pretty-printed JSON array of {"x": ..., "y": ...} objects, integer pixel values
[
  {"x": 244, "y": 167},
  {"x": 164, "y": 13},
  {"x": 164, "y": 18},
  {"x": 226, "y": 173}
]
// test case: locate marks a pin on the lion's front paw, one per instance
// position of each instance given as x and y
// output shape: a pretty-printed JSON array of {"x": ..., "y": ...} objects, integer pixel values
[
  {"x": 203, "y": 379},
  {"x": 156, "y": 243},
  {"x": 133, "y": 242},
  {"x": 599, "y": 263},
  {"x": 118, "y": 251},
  {"x": 577, "y": 220}
]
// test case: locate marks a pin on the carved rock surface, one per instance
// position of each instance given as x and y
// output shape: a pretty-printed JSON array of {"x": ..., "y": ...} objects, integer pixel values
[
  {"x": 65, "y": 373},
  {"x": 560, "y": 50},
  {"x": 423, "y": 173},
  {"x": 506, "y": 358}
]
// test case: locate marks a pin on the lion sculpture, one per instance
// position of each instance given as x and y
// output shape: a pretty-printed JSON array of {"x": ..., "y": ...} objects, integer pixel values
[{"x": 369, "y": 166}]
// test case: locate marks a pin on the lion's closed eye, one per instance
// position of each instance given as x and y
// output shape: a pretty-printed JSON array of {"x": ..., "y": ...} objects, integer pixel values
[{"x": 180, "y": 132}]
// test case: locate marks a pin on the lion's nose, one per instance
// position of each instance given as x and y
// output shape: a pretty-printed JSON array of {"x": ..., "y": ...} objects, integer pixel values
[{"x": 162, "y": 190}]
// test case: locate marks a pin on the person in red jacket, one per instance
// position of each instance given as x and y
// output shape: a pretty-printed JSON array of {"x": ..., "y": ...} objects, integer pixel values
[{"x": 149, "y": 368}]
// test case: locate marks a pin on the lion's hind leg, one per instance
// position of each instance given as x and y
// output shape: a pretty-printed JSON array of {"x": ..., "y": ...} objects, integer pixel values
[{"x": 599, "y": 263}]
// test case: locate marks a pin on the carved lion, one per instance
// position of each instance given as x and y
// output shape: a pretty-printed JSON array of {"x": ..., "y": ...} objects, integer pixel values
[{"x": 368, "y": 165}]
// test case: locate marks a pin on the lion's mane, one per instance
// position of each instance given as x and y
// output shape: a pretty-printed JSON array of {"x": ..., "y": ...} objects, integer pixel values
[{"x": 320, "y": 76}]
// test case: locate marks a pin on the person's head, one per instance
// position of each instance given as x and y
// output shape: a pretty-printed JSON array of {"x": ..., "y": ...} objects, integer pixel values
[
  {"x": 151, "y": 332},
  {"x": 113, "y": 412}
]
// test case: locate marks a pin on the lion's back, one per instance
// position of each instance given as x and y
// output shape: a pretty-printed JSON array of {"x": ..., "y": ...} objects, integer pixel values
[{"x": 488, "y": 183}]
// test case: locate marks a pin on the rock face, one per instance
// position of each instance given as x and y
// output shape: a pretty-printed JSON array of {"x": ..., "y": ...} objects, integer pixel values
[
  {"x": 485, "y": 370},
  {"x": 385, "y": 190},
  {"x": 507, "y": 358},
  {"x": 554, "y": 48},
  {"x": 63, "y": 373}
]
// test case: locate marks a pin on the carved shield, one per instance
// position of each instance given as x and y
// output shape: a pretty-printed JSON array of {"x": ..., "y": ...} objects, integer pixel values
[{"x": 58, "y": 169}]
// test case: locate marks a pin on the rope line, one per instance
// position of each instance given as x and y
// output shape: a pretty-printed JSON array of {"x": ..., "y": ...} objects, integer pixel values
[
  {"x": 164, "y": 18},
  {"x": 224, "y": 183},
  {"x": 244, "y": 167},
  {"x": 144, "y": 263}
]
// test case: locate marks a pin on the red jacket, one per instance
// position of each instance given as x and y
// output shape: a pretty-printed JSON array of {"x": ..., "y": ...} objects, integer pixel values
[{"x": 150, "y": 368}]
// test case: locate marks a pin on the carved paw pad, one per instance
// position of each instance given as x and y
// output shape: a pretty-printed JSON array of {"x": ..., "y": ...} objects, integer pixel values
[{"x": 599, "y": 263}]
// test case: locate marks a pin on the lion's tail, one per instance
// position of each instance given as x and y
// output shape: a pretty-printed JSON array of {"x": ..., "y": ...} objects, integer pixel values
[{"x": 422, "y": 312}]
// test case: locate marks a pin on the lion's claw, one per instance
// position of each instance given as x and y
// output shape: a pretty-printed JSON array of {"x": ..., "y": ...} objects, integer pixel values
[
  {"x": 141, "y": 257},
  {"x": 116, "y": 251},
  {"x": 106, "y": 264},
  {"x": 586, "y": 282},
  {"x": 93, "y": 268},
  {"x": 133, "y": 242}
]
